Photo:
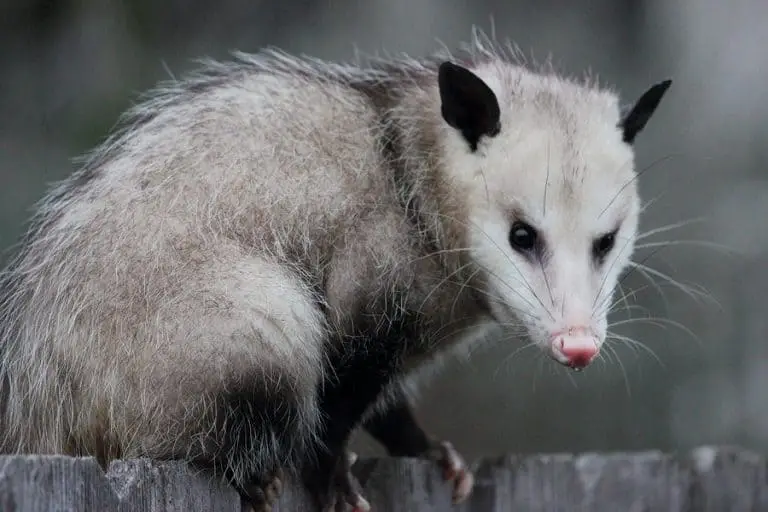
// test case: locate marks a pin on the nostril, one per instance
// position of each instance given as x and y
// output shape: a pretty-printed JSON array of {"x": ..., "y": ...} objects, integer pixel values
[{"x": 576, "y": 351}]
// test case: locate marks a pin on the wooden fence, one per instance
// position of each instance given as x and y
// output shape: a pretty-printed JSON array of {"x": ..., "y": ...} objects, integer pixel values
[{"x": 706, "y": 479}]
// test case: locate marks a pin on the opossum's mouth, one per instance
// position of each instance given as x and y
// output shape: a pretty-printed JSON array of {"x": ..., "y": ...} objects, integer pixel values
[
  {"x": 576, "y": 365},
  {"x": 562, "y": 360},
  {"x": 573, "y": 367},
  {"x": 574, "y": 347}
]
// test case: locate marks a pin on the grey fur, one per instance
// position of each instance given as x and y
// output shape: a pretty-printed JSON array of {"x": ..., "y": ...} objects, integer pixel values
[{"x": 221, "y": 236}]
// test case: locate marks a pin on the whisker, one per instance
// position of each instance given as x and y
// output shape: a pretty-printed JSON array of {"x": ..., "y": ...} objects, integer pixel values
[
  {"x": 623, "y": 298},
  {"x": 634, "y": 345},
  {"x": 521, "y": 274},
  {"x": 546, "y": 282},
  {"x": 650, "y": 202},
  {"x": 626, "y": 296},
  {"x": 605, "y": 277},
  {"x": 612, "y": 350},
  {"x": 634, "y": 178},
  {"x": 660, "y": 322},
  {"x": 540, "y": 360},
  {"x": 508, "y": 358},
  {"x": 465, "y": 284},
  {"x": 494, "y": 298},
  {"x": 546, "y": 182},
  {"x": 700, "y": 243},
  {"x": 568, "y": 374},
  {"x": 689, "y": 290},
  {"x": 440, "y": 283},
  {"x": 668, "y": 227},
  {"x": 439, "y": 253},
  {"x": 635, "y": 269}
]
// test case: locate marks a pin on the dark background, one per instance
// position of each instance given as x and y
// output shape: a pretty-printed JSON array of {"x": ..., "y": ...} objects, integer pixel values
[{"x": 69, "y": 67}]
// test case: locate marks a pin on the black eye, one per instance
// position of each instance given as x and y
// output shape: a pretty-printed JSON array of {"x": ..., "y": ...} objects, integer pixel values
[
  {"x": 522, "y": 237},
  {"x": 603, "y": 245}
]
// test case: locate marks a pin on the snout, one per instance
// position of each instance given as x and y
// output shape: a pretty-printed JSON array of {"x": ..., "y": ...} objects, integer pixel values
[{"x": 575, "y": 347}]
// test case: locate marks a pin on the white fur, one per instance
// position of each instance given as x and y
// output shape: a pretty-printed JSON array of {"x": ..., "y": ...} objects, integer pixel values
[
  {"x": 190, "y": 262},
  {"x": 560, "y": 161}
]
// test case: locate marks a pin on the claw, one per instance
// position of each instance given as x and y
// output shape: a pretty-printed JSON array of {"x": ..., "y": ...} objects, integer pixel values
[
  {"x": 346, "y": 489},
  {"x": 454, "y": 470},
  {"x": 262, "y": 497}
]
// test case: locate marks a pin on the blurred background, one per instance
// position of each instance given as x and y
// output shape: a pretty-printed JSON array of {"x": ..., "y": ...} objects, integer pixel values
[{"x": 69, "y": 67}]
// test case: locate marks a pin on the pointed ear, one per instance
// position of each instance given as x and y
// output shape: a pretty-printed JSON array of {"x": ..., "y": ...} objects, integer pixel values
[
  {"x": 634, "y": 121},
  {"x": 468, "y": 104}
]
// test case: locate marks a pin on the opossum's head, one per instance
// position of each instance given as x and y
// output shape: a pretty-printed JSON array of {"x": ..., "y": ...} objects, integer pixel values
[{"x": 545, "y": 168}]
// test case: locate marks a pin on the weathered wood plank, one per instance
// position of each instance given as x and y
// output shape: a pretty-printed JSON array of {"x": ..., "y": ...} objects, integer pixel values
[{"x": 706, "y": 480}]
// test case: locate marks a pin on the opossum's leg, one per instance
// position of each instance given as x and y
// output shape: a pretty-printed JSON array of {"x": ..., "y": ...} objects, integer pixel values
[
  {"x": 395, "y": 426},
  {"x": 359, "y": 372},
  {"x": 258, "y": 437},
  {"x": 263, "y": 493},
  {"x": 248, "y": 361},
  {"x": 397, "y": 429}
]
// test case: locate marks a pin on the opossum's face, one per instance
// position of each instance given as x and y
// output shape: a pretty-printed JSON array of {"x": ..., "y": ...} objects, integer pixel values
[{"x": 551, "y": 198}]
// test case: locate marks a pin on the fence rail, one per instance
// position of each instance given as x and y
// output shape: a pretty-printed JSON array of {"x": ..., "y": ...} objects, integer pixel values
[{"x": 716, "y": 479}]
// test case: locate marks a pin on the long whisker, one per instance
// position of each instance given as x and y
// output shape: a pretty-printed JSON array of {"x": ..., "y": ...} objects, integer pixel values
[
  {"x": 512, "y": 262},
  {"x": 633, "y": 344},
  {"x": 621, "y": 281},
  {"x": 689, "y": 290},
  {"x": 465, "y": 284},
  {"x": 546, "y": 182},
  {"x": 627, "y": 307},
  {"x": 440, "y": 283},
  {"x": 660, "y": 322},
  {"x": 650, "y": 202},
  {"x": 634, "y": 178},
  {"x": 622, "y": 298},
  {"x": 668, "y": 227},
  {"x": 700, "y": 243},
  {"x": 439, "y": 253},
  {"x": 500, "y": 300},
  {"x": 508, "y": 358},
  {"x": 635, "y": 269},
  {"x": 605, "y": 277},
  {"x": 612, "y": 350},
  {"x": 546, "y": 282}
]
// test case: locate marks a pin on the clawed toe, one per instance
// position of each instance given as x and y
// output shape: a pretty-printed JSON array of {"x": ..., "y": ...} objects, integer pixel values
[
  {"x": 344, "y": 494},
  {"x": 262, "y": 496},
  {"x": 454, "y": 470}
]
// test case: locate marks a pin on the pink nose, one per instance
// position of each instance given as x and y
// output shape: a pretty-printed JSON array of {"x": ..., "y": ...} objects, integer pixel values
[
  {"x": 577, "y": 347},
  {"x": 579, "y": 357}
]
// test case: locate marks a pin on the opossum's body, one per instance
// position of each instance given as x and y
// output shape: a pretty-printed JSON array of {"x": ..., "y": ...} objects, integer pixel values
[{"x": 239, "y": 275}]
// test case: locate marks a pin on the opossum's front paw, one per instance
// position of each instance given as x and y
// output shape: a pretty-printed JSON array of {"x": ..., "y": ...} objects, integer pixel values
[
  {"x": 344, "y": 492},
  {"x": 348, "y": 488},
  {"x": 262, "y": 494},
  {"x": 454, "y": 469}
]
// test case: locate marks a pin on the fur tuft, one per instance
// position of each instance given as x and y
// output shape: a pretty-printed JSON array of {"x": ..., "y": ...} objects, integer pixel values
[{"x": 192, "y": 289}]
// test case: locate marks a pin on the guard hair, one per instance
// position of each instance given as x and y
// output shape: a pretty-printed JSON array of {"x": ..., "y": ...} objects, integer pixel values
[{"x": 187, "y": 291}]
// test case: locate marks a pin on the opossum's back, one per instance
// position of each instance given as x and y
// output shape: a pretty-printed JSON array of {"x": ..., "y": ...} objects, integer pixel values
[
  {"x": 257, "y": 158},
  {"x": 132, "y": 252},
  {"x": 264, "y": 164}
]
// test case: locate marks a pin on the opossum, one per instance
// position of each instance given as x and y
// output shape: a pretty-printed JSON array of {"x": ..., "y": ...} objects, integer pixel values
[{"x": 264, "y": 254}]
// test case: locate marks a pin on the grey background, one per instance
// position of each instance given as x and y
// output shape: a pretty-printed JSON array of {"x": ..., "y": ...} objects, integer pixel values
[{"x": 70, "y": 67}]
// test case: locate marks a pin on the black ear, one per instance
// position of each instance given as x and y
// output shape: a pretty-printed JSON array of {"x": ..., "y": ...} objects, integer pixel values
[
  {"x": 641, "y": 112},
  {"x": 468, "y": 104}
]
